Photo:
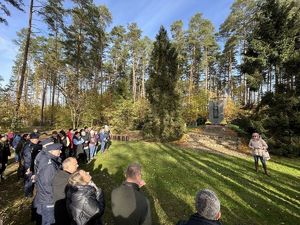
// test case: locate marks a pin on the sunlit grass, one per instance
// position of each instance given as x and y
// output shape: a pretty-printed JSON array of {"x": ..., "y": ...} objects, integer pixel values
[{"x": 173, "y": 176}]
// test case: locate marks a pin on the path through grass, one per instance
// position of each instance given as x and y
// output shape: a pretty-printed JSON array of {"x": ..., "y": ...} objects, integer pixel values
[{"x": 173, "y": 176}]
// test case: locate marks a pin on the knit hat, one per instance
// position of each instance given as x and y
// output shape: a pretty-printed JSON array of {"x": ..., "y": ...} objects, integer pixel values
[{"x": 207, "y": 204}]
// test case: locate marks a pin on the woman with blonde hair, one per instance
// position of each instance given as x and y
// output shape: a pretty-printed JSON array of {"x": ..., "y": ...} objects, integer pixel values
[
  {"x": 85, "y": 201},
  {"x": 259, "y": 151}
]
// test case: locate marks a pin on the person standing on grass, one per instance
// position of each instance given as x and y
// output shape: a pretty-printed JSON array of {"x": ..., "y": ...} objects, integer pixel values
[
  {"x": 59, "y": 184},
  {"x": 208, "y": 210},
  {"x": 46, "y": 166},
  {"x": 85, "y": 201},
  {"x": 103, "y": 140},
  {"x": 29, "y": 153},
  {"x": 78, "y": 147},
  {"x": 259, "y": 149},
  {"x": 92, "y": 144},
  {"x": 129, "y": 205},
  {"x": 108, "y": 137},
  {"x": 4, "y": 154},
  {"x": 19, "y": 150}
]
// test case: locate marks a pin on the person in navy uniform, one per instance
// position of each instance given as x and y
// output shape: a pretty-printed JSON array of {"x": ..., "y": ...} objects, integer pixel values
[
  {"x": 30, "y": 151},
  {"x": 47, "y": 164}
]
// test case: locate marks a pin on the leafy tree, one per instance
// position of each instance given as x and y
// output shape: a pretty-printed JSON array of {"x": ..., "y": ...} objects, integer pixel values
[
  {"x": 23, "y": 70},
  {"x": 162, "y": 91}
]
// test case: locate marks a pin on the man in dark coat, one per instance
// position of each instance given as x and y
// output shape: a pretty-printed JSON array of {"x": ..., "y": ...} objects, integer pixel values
[
  {"x": 59, "y": 184},
  {"x": 208, "y": 210},
  {"x": 19, "y": 150},
  {"x": 30, "y": 151},
  {"x": 129, "y": 205},
  {"x": 4, "y": 153},
  {"x": 46, "y": 166}
]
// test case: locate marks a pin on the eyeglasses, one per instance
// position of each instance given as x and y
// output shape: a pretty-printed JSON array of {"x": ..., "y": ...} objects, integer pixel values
[{"x": 255, "y": 136}]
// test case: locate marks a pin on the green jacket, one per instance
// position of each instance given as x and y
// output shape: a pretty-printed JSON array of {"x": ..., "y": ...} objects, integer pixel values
[{"x": 130, "y": 206}]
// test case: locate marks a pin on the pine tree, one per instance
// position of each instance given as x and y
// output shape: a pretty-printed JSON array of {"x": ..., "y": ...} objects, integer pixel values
[{"x": 166, "y": 123}]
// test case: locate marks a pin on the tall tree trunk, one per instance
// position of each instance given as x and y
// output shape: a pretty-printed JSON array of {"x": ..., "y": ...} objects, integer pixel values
[
  {"x": 23, "y": 71},
  {"x": 43, "y": 101},
  {"x": 26, "y": 85},
  {"x": 133, "y": 78},
  {"x": 191, "y": 76},
  {"x": 230, "y": 74},
  {"x": 206, "y": 69},
  {"x": 143, "y": 94},
  {"x": 276, "y": 78}
]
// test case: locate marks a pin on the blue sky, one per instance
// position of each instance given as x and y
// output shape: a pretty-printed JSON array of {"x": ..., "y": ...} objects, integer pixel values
[{"x": 148, "y": 14}]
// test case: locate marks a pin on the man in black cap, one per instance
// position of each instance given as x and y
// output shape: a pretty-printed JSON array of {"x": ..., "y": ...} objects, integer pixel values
[
  {"x": 46, "y": 166},
  {"x": 31, "y": 149}
]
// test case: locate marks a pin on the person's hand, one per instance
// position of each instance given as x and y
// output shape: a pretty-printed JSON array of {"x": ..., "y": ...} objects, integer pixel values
[
  {"x": 142, "y": 183},
  {"x": 33, "y": 178},
  {"x": 28, "y": 171}
]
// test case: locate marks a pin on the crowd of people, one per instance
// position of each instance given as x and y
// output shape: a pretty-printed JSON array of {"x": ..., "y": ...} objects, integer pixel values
[{"x": 67, "y": 195}]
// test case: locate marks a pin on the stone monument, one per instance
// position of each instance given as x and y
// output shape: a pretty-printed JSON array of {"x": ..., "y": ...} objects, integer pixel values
[{"x": 216, "y": 111}]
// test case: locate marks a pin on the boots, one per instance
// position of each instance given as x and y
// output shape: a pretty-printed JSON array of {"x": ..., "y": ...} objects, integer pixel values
[
  {"x": 256, "y": 166},
  {"x": 265, "y": 169}
]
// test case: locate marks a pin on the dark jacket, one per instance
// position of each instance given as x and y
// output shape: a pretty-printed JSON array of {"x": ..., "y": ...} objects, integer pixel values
[
  {"x": 130, "y": 206},
  {"x": 46, "y": 167},
  {"x": 59, "y": 184},
  {"x": 196, "y": 219},
  {"x": 20, "y": 146},
  {"x": 29, "y": 154},
  {"x": 85, "y": 204},
  {"x": 4, "y": 152}
]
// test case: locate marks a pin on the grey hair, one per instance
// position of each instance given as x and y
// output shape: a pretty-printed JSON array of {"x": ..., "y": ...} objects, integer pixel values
[
  {"x": 67, "y": 162},
  {"x": 207, "y": 204},
  {"x": 133, "y": 170}
]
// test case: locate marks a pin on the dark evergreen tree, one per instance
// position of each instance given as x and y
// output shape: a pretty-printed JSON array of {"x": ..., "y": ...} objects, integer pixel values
[
  {"x": 273, "y": 47},
  {"x": 165, "y": 122}
]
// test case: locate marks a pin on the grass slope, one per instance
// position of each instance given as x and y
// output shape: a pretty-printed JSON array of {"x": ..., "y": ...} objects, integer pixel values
[{"x": 173, "y": 176}]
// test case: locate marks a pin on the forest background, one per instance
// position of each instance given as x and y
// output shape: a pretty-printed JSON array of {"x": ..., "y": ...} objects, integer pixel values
[{"x": 82, "y": 73}]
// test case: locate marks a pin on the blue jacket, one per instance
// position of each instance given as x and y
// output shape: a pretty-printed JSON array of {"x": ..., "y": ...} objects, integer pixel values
[
  {"x": 46, "y": 167},
  {"x": 29, "y": 153}
]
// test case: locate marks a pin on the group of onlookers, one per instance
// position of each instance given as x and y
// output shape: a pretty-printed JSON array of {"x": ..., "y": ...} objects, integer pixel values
[{"x": 67, "y": 195}]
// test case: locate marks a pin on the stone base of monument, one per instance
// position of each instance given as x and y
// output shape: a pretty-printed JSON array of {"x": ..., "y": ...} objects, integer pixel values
[
  {"x": 216, "y": 136},
  {"x": 219, "y": 130}
]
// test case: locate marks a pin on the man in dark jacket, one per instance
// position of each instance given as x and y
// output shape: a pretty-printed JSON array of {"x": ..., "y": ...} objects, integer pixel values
[
  {"x": 30, "y": 151},
  {"x": 208, "y": 210},
  {"x": 4, "y": 153},
  {"x": 129, "y": 205},
  {"x": 46, "y": 166},
  {"x": 19, "y": 150},
  {"x": 59, "y": 184}
]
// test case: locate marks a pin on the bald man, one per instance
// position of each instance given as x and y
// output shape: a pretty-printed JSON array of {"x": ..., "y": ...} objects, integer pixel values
[{"x": 59, "y": 184}]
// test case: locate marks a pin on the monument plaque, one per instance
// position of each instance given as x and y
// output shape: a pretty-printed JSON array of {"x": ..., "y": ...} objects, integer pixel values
[{"x": 216, "y": 111}]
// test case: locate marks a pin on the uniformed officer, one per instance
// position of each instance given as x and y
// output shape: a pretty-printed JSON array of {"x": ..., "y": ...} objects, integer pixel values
[{"x": 47, "y": 164}]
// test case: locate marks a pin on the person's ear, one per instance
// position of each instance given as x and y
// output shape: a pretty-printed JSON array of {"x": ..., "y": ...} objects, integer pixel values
[{"x": 218, "y": 216}]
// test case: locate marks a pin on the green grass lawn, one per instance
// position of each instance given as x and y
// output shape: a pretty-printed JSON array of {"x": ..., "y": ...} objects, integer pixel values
[{"x": 174, "y": 175}]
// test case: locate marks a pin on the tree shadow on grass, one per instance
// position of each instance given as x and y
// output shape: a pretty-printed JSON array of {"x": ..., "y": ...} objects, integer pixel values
[
  {"x": 14, "y": 208},
  {"x": 256, "y": 200}
]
